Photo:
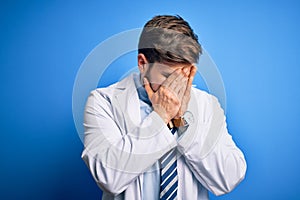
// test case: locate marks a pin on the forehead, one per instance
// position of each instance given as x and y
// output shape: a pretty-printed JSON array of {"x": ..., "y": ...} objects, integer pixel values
[{"x": 166, "y": 68}]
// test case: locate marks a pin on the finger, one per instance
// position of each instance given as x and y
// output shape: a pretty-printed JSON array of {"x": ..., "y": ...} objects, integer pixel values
[
  {"x": 182, "y": 89},
  {"x": 171, "y": 78},
  {"x": 180, "y": 83},
  {"x": 187, "y": 92},
  {"x": 177, "y": 85},
  {"x": 180, "y": 78},
  {"x": 193, "y": 70},
  {"x": 188, "y": 88},
  {"x": 192, "y": 75},
  {"x": 190, "y": 81},
  {"x": 186, "y": 71},
  {"x": 148, "y": 88}
]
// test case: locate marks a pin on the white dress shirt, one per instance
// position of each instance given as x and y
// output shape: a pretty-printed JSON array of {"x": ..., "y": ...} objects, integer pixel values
[{"x": 124, "y": 139}]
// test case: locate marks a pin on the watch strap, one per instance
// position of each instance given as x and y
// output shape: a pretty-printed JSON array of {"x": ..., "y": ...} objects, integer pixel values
[{"x": 178, "y": 122}]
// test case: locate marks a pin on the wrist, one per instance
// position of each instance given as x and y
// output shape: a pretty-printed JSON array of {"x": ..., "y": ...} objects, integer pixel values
[
  {"x": 178, "y": 122},
  {"x": 181, "y": 112},
  {"x": 163, "y": 116},
  {"x": 185, "y": 120},
  {"x": 178, "y": 115}
]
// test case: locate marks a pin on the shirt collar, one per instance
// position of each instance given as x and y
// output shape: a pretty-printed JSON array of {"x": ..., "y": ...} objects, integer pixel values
[{"x": 141, "y": 90}]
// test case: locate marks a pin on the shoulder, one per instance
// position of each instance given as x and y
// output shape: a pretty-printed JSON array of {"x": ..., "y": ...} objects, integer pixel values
[
  {"x": 106, "y": 94},
  {"x": 203, "y": 96},
  {"x": 207, "y": 104},
  {"x": 99, "y": 99}
]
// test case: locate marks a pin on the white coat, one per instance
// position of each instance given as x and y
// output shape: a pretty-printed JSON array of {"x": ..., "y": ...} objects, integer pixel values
[{"x": 119, "y": 147}]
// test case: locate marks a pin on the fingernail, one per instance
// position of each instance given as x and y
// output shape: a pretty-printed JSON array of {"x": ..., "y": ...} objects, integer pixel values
[{"x": 145, "y": 81}]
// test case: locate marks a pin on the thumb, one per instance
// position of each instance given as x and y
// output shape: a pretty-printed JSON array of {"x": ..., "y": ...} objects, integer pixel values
[{"x": 148, "y": 88}]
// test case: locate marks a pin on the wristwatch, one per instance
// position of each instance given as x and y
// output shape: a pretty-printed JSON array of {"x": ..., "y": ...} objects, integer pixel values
[{"x": 185, "y": 120}]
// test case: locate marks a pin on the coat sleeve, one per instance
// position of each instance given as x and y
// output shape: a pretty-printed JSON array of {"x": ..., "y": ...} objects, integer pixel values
[
  {"x": 209, "y": 151},
  {"x": 116, "y": 158}
]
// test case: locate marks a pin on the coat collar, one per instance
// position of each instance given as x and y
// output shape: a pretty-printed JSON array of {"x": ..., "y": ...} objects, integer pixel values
[{"x": 127, "y": 99}]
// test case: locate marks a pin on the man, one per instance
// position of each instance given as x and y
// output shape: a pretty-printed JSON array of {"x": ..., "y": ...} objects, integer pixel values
[{"x": 154, "y": 136}]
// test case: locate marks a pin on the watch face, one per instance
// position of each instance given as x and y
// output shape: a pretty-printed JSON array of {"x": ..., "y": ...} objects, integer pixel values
[{"x": 188, "y": 117}]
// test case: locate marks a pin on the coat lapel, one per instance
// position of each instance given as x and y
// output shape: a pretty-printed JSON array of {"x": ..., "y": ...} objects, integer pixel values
[{"x": 128, "y": 102}]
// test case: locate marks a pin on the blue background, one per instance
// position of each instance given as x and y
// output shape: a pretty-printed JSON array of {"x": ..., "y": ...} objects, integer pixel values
[{"x": 255, "y": 45}]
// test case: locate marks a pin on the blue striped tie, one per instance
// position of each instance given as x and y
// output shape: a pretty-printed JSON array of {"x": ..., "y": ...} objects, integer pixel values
[{"x": 169, "y": 178}]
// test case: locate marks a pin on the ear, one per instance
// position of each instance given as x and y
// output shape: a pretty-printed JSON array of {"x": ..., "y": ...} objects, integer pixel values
[{"x": 142, "y": 62}]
